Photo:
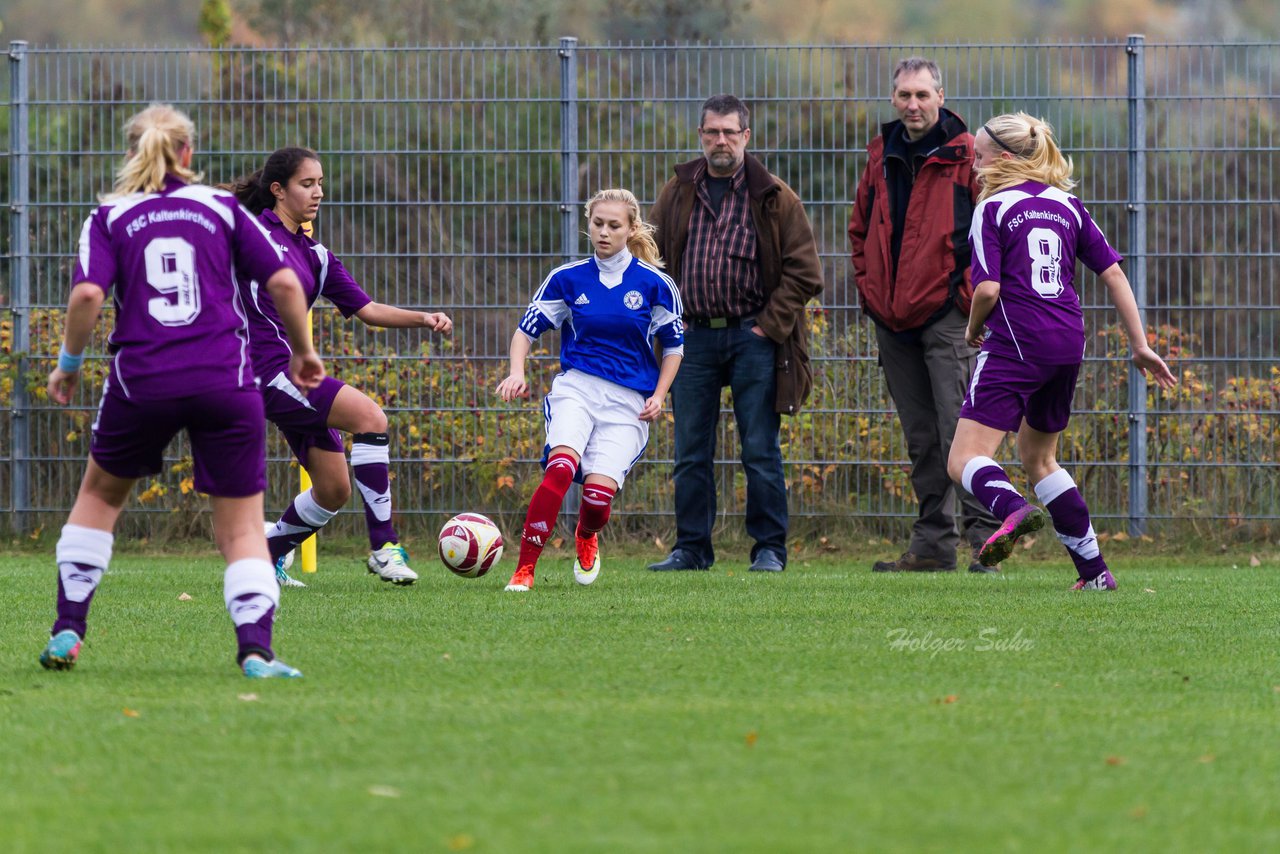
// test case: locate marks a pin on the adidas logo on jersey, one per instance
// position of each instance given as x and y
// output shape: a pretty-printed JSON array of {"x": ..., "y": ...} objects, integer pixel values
[{"x": 582, "y": 300}]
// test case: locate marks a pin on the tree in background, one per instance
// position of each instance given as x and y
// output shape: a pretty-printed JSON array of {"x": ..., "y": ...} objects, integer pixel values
[{"x": 215, "y": 22}]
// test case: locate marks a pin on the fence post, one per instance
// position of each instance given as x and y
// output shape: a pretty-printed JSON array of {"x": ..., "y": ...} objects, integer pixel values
[
  {"x": 1137, "y": 265},
  {"x": 569, "y": 195},
  {"x": 19, "y": 285},
  {"x": 569, "y": 147}
]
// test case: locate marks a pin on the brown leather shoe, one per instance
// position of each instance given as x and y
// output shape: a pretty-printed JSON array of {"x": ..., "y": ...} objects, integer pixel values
[
  {"x": 911, "y": 562},
  {"x": 976, "y": 566}
]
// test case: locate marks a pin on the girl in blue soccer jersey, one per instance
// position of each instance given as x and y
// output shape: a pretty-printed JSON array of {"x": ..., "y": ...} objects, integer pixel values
[
  {"x": 610, "y": 308},
  {"x": 1027, "y": 233},
  {"x": 285, "y": 194},
  {"x": 169, "y": 250}
]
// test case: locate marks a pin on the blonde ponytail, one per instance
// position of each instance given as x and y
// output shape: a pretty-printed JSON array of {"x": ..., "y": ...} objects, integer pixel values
[
  {"x": 641, "y": 243},
  {"x": 156, "y": 138},
  {"x": 1036, "y": 156}
]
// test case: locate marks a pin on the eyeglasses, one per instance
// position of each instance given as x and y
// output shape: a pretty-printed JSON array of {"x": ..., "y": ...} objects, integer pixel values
[{"x": 716, "y": 133}]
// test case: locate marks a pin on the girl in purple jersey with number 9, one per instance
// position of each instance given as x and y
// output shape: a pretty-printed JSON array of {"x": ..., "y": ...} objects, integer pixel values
[
  {"x": 285, "y": 194},
  {"x": 1027, "y": 233},
  {"x": 171, "y": 250}
]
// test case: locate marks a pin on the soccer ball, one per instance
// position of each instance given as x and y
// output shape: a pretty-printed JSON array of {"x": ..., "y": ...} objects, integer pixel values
[
  {"x": 470, "y": 544},
  {"x": 288, "y": 558}
]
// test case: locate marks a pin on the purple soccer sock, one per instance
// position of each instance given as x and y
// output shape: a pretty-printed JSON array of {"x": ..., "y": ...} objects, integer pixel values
[
  {"x": 371, "y": 460},
  {"x": 253, "y": 615},
  {"x": 987, "y": 481},
  {"x": 1071, "y": 522},
  {"x": 77, "y": 582},
  {"x": 302, "y": 518}
]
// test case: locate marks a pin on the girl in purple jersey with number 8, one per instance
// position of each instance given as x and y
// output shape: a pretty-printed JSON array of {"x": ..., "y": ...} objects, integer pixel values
[
  {"x": 172, "y": 249},
  {"x": 1027, "y": 233}
]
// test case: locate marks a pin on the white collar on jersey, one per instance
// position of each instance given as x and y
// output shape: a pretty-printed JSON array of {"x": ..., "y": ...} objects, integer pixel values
[{"x": 611, "y": 269}]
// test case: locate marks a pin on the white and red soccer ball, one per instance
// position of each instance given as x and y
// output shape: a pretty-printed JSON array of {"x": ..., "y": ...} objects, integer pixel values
[{"x": 470, "y": 544}]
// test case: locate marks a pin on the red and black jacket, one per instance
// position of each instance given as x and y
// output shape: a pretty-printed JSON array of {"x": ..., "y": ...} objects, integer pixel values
[{"x": 933, "y": 262}]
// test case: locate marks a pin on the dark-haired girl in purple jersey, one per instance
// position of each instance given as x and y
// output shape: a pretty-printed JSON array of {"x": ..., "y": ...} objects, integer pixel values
[
  {"x": 285, "y": 194},
  {"x": 1027, "y": 233},
  {"x": 172, "y": 250}
]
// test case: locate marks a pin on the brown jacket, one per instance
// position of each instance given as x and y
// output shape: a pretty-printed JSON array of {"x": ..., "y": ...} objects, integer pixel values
[{"x": 789, "y": 267}]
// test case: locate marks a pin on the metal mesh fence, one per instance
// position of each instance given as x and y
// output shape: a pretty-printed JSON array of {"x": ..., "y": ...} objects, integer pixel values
[{"x": 455, "y": 178}]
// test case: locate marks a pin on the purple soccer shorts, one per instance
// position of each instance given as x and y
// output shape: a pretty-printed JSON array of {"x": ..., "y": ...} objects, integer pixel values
[
  {"x": 226, "y": 428},
  {"x": 303, "y": 418},
  {"x": 1003, "y": 391}
]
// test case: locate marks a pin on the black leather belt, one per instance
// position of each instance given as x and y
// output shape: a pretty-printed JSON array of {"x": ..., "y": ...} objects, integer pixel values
[{"x": 720, "y": 322}]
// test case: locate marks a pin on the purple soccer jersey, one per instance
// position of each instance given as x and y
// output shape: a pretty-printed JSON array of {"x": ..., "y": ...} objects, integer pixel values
[
  {"x": 170, "y": 261},
  {"x": 1028, "y": 238},
  {"x": 322, "y": 274}
]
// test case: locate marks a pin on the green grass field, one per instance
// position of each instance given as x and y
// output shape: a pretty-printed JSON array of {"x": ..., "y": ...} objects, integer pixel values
[{"x": 825, "y": 709}]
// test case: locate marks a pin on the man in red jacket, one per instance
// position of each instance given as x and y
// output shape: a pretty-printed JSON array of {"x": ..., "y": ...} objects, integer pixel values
[{"x": 909, "y": 233}]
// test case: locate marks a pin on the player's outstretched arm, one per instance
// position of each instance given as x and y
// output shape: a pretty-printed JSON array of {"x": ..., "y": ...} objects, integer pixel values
[
  {"x": 514, "y": 385},
  {"x": 82, "y": 315},
  {"x": 1117, "y": 284},
  {"x": 392, "y": 317}
]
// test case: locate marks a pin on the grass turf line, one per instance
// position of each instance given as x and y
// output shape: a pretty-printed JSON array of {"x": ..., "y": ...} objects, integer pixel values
[{"x": 702, "y": 711}]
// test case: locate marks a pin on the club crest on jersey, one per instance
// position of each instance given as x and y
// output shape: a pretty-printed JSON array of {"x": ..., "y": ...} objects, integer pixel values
[{"x": 633, "y": 300}]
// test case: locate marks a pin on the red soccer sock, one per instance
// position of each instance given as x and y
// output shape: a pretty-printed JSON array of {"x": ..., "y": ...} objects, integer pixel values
[
  {"x": 544, "y": 507},
  {"x": 593, "y": 513}
]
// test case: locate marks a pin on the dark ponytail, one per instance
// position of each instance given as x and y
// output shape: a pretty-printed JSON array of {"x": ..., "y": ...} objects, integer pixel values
[{"x": 254, "y": 191}]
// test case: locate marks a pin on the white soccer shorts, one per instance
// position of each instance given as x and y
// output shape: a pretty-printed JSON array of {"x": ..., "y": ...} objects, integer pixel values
[{"x": 598, "y": 419}]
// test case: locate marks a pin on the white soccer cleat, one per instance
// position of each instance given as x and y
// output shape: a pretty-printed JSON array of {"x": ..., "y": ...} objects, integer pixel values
[
  {"x": 590, "y": 550},
  {"x": 390, "y": 564}
]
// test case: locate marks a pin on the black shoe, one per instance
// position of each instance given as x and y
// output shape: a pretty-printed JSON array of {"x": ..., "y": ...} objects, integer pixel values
[
  {"x": 678, "y": 560},
  {"x": 911, "y": 562},
  {"x": 767, "y": 561}
]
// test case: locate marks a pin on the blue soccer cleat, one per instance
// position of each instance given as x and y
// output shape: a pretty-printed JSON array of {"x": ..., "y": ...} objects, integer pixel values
[
  {"x": 256, "y": 668},
  {"x": 62, "y": 651},
  {"x": 283, "y": 578}
]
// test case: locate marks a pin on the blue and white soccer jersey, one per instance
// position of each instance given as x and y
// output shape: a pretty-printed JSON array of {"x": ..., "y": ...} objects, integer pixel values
[{"x": 609, "y": 311}]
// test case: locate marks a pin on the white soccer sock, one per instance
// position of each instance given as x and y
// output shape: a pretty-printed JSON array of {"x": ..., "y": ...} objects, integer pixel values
[
  {"x": 310, "y": 511},
  {"x": 247, "y": 576},
  {"x": 249, "y": 608},
  {"x": 1054, "y": 485},
  {"x": 974, "y": 466},
  {"x": 80, "y": 547}
]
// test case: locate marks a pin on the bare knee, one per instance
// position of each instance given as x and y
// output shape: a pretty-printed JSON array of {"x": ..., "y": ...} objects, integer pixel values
[
  {"x": 332, "y": 493},
  {"x": 371, "y": 420},
  {"x": 1039, "y": 466}
]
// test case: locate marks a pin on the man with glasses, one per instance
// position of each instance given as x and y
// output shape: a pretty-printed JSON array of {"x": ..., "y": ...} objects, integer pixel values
[
  {"x": 909, "y": 234},
  {"x": 738, "y": 243}
]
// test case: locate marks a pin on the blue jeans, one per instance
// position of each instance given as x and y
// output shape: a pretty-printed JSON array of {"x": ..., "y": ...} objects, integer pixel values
[{"x": 713, "y": 358}]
